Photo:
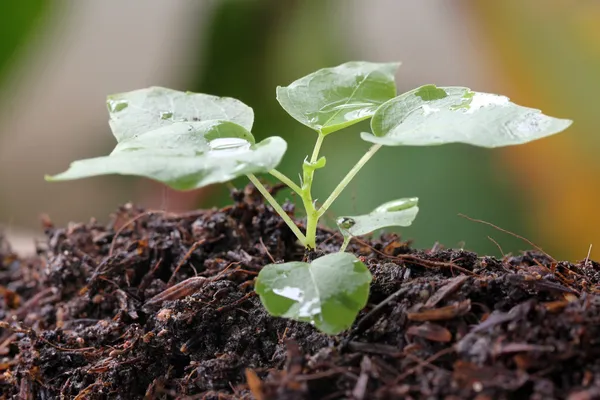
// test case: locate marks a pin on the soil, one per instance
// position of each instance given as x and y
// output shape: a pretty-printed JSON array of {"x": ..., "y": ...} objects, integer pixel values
[{"x": 161, "y": 306}]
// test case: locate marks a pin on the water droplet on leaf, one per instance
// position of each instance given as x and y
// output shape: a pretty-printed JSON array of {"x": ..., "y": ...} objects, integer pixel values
[
  {"x": 397, "y": 205},
  {"x": 227, "y": 146},
  {"x": 345, "y": 222}
]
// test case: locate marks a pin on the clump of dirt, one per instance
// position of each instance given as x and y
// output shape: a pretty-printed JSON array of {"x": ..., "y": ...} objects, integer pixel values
[{"x": 162, "y": 306}]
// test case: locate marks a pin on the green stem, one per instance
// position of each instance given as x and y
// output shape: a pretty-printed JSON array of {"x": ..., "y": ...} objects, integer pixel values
[
  {"x": 278, "y": 208},
  {"x": 317, "y": 148},
  {"x": 312, "y": 220},
  {"x": 312, "y": 215},
  {"x": 347, "y": 239},
  {"x": 284, "y": 179},
  {"x": 342, "y": 185}
]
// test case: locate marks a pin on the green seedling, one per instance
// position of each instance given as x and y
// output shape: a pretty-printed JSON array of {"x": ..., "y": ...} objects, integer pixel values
[{"x": 189, "y": 140}]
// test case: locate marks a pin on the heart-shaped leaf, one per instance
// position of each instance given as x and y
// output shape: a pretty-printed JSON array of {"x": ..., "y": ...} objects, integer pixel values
[
  {"x": 141, "y": 111},
  {"x": 433, "y": 115},
  {"x": 401, "y": 212},
  {"x": 333, "y": 98},
  {"x": 185, "y": 155},
  {"x": 329, "y": 292}
]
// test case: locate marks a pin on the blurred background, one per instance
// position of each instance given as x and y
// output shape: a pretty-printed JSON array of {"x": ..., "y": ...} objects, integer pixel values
[{"x": 59, "y": 60}]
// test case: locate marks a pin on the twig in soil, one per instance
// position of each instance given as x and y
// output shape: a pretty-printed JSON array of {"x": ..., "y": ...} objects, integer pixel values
[
  {"x": 361, "y": 325},
  {"x": 147, "y": 279},
  {"x": 65, "y": 349},
  {"x": 131, "y": 221},
  {"x": 374, "y": 348},
  {"x": 417, "y": 260},
  {"x": 245, "y": 271},
  {"x": 331, "y": 237},
  {"x": 4, "y": 350},
  {"x": 236, "y": 303},
  {"x": 360, "y": 388},
  {"x": 266, "y": 250},
  {"x": 587, "y": 258},
  {"x": 497, "y": 245},
  {"x": 86, "y": 391},
  {"x": 184, "y": 259},
  {"x": 451, "y": 286},
  {"x": 178, "y": 291},
  {"x": 281, "y": 338},
  {"x": 424, "y": 363},
  {"x": 442, "y": 313},
  {"x": 184, "y": 288},
  {"x": 325, "y": 374},
  {"x": 567, "y": 282},
  {"x": 30, "y": 304},
  {"x": 538, "y": 248}
]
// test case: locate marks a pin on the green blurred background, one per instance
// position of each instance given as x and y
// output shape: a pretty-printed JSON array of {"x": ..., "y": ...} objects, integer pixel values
[{"x": 59, "y": 59}]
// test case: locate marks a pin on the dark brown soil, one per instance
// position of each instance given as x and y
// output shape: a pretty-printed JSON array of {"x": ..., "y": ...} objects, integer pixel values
[{"x": 119, "y": 312}]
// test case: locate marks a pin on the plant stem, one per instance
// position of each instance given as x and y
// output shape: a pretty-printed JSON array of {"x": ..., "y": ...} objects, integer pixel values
[
  {"x": 278, "y": 208},
  {"x": 317, "y": 148},
  {"x": 345, "y": 244},
  {"x": 287, "y": 181},
  {"x": 312, "y": 220},
  {"x": 312, "y": 215},
  {"x": 342, "y": 185}
]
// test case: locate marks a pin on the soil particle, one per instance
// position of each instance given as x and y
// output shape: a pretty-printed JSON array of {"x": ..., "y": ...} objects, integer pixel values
[{"x": 155, "y": 305}]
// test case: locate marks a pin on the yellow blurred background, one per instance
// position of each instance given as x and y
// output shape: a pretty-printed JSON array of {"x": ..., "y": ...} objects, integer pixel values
[{"x": 59, "y": 60}]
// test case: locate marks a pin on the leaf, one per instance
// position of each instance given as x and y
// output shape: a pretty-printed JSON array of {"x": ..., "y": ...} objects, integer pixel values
[
  {"x": 185, "y": 155},
  {"x": 430, "y": 116},
  {"x": 141, "y": 111},
  {"x": 329, "y": 292},
  {"x": 401, "y": 212},
  {"x": 333, "y": 98}
]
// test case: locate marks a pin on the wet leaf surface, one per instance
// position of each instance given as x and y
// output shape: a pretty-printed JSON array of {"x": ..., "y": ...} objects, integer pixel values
[
  {"x": 432, "y": 115},
  {"x": 185, "y": 155},
  {"x": 140, "y": 111},
  {"x": 331, "y": 99},
  {"x": 159, "y": 305},
  {"x": 328, "y": 292},
  {"x": 401, "y": 212}
]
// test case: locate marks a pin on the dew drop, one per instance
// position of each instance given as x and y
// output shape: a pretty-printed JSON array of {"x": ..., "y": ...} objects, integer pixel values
[
  {"x": 226, "y": 146},
  {"x": 397, "y": 205},
  {"x": 345, "y": 222}
]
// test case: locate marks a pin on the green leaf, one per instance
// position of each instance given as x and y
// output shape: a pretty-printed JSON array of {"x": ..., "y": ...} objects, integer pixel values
[
  {"x": 185, "y": 155},
  {"x": 430, "y": 116},
  {"x": 333, "y": 98},
  {"x": 401, "y": 212},
  {"x": 329, "y": 292},
  {"x": 141, "y": 111}
]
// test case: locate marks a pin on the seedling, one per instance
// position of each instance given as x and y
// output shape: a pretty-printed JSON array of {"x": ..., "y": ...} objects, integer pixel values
[{"x": 189, "y": 140}]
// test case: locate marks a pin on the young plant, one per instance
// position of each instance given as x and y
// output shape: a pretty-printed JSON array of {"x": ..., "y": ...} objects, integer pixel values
[{"x": 189, "y": 140}]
